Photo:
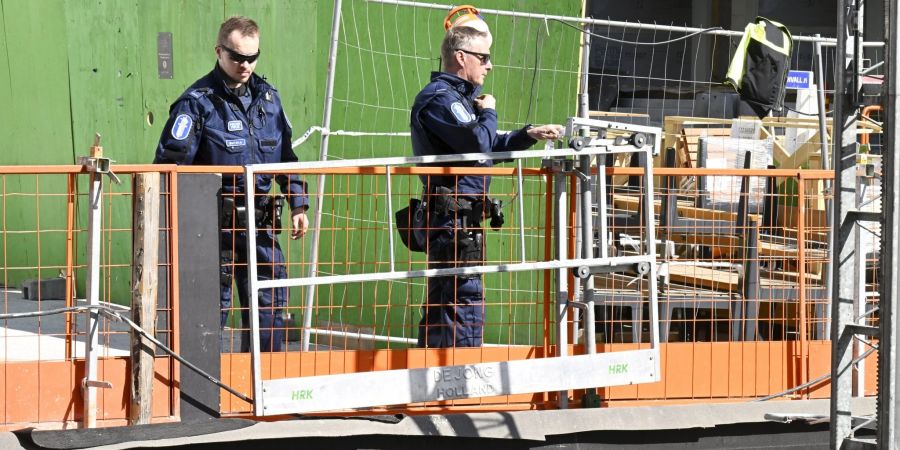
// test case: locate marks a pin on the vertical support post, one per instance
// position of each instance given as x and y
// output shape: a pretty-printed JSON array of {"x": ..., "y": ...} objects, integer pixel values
[
  {"x": 888, "y": 399},
  {"x": 580, "y": 219},
  {"x": 92, "y": 285},
  {"x": 587, "y": 251},
  {"x": 801, "y": 272},
  {"x": 145, "y": 261},
  {"x": 826, "y": 165},
  {"x": 320, "y": 180},
  {"x": 253, "y": 275},
  {"x": 521, "y": 199},
  {"x": 650, "y": 248},
  {"x": 562, "y": 275},
  {"x": 845, "y": 115},
  {"x": 390, "y": 215},
  {"x": 70, "y": 263}
]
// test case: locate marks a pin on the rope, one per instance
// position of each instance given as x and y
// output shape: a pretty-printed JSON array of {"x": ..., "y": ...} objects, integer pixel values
[{"x": 325, "y": 132}]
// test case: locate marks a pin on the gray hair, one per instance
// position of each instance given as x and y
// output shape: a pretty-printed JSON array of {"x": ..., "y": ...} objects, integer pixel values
[{"x": 456, "y": 38}]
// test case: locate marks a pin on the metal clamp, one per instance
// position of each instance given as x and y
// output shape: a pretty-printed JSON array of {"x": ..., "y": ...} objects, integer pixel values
[
  {"x": 563, "y": 166},
  {"x": 96, "y": 163}
]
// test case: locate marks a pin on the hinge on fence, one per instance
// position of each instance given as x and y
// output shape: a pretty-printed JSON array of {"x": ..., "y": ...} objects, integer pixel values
[
  {"x": 562, "y": 166},
  {"x": 558, "y": 165},
  {"x": 97, "y": 163}
]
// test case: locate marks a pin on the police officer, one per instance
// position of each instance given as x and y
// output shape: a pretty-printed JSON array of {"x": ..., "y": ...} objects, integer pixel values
[
  {"x": 232, "y": 116},
  {"x": 451, "y": 116}
]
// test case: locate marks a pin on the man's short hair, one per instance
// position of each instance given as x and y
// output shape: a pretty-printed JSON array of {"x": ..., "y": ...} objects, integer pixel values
[
  {"x": 245, "y": 25},
  {"x": 456, "y": 38}
]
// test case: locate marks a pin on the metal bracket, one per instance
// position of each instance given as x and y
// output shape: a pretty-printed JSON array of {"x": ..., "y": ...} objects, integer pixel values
[
  {"x": 638, "y": 137},
  {"x": 862, "y": 329},
  {"x": 557, "y": 165},
  {"x": 639, "y": 269},
  {"x": 97, "y": 163},
  {"x": 85, "y": 383},
  {"x": 864, "y": 216}
]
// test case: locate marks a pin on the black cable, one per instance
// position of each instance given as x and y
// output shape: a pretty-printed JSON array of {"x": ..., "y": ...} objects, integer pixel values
[
  {"x": 803, "y": 113},
  {"x": 813, "y": 381},
  {"x": 534, "y": 74},
  {"x": 705, "y": 30}
]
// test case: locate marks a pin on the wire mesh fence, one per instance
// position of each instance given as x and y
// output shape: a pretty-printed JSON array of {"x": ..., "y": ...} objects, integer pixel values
[{"x": 43, "y": 237}]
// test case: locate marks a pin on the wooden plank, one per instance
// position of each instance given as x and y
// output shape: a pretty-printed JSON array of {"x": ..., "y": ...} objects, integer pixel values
[
  {"x": 685, "y": 210},
  {"x": 733, "y": 244},
  {"x": 705, "y": 277},
  {"x": 144, "y": 266}
]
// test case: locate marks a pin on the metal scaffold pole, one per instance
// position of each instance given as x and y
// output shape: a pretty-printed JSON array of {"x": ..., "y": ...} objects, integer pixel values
[
  {"x": 320, "y": 180},
  {"x": 888, "y": 426},
  {"x": 847, "y": 254}
]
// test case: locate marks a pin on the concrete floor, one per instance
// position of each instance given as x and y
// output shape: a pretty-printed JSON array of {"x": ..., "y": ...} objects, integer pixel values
[{"x": 724, "y": 425}]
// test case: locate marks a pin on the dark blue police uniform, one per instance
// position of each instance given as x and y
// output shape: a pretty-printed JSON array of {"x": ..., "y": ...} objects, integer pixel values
[
  {"x": 444, "y": 121},
  {"x": 211, "y": 124}
]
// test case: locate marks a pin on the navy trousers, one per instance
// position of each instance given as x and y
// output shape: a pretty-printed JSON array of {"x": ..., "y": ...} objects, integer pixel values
[
  {"x": 453, "y": 313},
  {"x": 270, "y": 265}
]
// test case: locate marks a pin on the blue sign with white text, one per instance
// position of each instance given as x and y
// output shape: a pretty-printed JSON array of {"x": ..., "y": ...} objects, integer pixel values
[{"x": 799, "y": 79}]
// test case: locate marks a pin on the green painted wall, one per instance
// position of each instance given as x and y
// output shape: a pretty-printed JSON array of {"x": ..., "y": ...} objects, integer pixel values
[
  {"x": 69, "y": 69},
  {"x": 72, "y": 68}
]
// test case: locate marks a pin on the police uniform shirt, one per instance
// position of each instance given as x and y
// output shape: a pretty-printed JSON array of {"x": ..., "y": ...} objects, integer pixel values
[
  {"x": 444, "y": 121},
  {"x": 210, "y": 124}
]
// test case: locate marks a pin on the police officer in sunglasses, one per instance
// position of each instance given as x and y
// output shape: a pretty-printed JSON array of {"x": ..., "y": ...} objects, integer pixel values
[
  {"x": 232, "y": 116},
  {"x": 452, "y": 116}
]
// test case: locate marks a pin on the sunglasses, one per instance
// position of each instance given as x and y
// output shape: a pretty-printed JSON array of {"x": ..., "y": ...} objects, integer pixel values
[
  {"x": 483, "y": 57},
  {"x": 238, "y": 57}
]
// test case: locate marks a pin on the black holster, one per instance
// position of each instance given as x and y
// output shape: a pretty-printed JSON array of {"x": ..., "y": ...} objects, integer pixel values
[
  {"x": 268, "y": 212},
  {"x": 232, "y": 212}
]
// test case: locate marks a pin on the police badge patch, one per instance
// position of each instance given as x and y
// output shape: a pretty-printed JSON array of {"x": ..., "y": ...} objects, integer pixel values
[
  {"x": 461, "y": 113},
  {"x": 181, "y": 127},
  {"x": 235, "y": 125}
]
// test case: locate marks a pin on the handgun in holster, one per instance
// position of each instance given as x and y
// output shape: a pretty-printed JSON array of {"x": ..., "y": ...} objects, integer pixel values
[
  {"x": 268, "y": 212},
  {"x": 233, "y": 215}
]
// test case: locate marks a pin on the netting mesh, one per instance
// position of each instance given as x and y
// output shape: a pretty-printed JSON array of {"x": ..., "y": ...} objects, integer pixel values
[
  {"x": 648, "y": 74},
  {"x": 386, "y": 54}
]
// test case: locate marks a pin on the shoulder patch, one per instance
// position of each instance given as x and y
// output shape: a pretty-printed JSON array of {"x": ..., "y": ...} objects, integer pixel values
[
  {"x": 461, "y": 113},
  {"x": 181, "y": 127}
]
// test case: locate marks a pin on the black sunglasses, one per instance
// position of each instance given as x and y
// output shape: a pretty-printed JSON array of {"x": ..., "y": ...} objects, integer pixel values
[
  {"x": 239, "y": 57},
  {"x": 483, "y": 57}
]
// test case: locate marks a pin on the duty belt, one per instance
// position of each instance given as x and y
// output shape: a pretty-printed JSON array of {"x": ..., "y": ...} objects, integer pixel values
[
  {"x": 267, "y": 213},
  {"x": 470, "y": 209}
]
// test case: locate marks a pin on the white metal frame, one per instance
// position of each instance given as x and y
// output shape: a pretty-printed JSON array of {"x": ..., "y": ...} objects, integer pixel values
[{"x": 330, "y": 392}]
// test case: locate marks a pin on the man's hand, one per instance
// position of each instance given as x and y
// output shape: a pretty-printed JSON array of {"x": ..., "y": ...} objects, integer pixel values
[
  {"x": 485, "y": 101},
  {"x": 546, "y": 132},
  {"x": 300, "y": 223}
]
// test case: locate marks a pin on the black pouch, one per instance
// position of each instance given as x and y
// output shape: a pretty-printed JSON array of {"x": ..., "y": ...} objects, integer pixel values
[
  {"x": 411, "y": 223},
  {"x": 469, "y": 246}
]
